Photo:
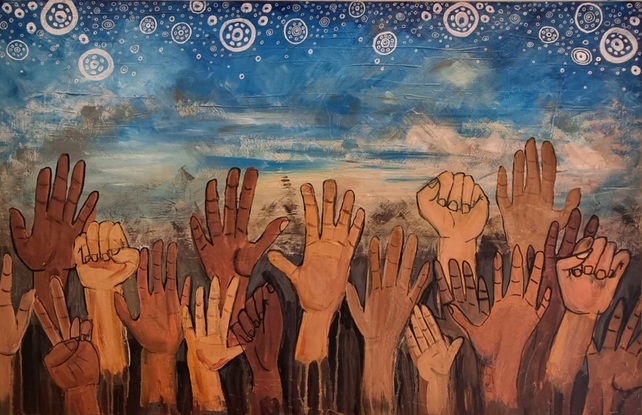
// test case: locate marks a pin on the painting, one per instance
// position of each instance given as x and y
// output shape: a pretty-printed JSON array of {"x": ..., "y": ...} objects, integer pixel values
[{"x": 277, "y": 207}]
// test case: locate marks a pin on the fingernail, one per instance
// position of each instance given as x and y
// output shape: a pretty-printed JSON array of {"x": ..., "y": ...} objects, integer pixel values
[
  {"x": 588, "y": 269},
  {"x": 94, "y": 257},
  {"x": 452, "y": 205},
  {"x": 251, "y": 333},
  {"x": 433, "y": 182},
  {"x": 284, "y": 225},
  {"x": 257, "y": 323},
  {"x": 465, "y": 208},
  {"x": 86, "y": 259},
  {"x": 584, "y": 254},
  {"x": 600, "y": 274},
  {"x": 577, "y": 272},
  {"x": 261, "y": 315},
  {"x": 441, "y": 202},
  {"x": 270, "y": 288},
  {"x": 105, "y": 257},
  {"x": 611, "y": 274},
  {"x": 583, "y": 245}
]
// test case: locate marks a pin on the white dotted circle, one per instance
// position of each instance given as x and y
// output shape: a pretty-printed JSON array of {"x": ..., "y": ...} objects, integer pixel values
[
  {"x": 461, "y": 19},
  {"x": 295, "y": 31},
  {"x": 19, "y": 13},
  {"x": 581, "y": 56},
  {"x": 148, "y": 25},
  {"x": 31, "y": 28},
  {"x": 634, "y": 21},
  {"x": 6, "y": 7},
  {"x": 263, "y": 20},
  {"x": 385, "y": 43},
  {"x": 425, "y": 16},
  {"x": 548, "y": 34},
  {"x": 181, "y": 32},
  {"x": 59, "y": 17},
  {"x": 618, "y": 45},
  {"x": 32, "y": 5},
  {"x": 635, "y": 70},
  {"x": 246, "y": 7},
  {"x": 266, "y": 8},
  {"x": 197, "y": 6},
  {"x": 357, "y": 9},
  {"x": 237, "y": 35},
  {"x": 588, "y": 17},
  {"x": 83, "y": 38},
  {"x": 212, "y": 20},
  {"x": 95, "y": 64},
  {"x": 17, "y": 50}
]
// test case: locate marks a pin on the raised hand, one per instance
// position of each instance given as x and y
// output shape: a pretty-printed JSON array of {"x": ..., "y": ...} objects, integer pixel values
[
  {"x": 433, "y": 356},
  {"x": 500, "y": 339},
  {"x": 617, "y": 365},
  {"x": 259, "y": 330},
  {"x": 469, "y": 297},
  {"x": 48, "y": 249},
  {"x": 12, "y": 326},
  {"x": 458, "y": 210},
  {"x": 388, "y": 305},
  {"x": 528, "y": 215},
  {"x": 226, "y": 251},
  {"x": 158, "y": 327},
  {"x": 320, "y": 281},
  {"x": 73, "y": 362},
  {"x": 207, "y": 349},
  {"x": 104, "y": 260}
]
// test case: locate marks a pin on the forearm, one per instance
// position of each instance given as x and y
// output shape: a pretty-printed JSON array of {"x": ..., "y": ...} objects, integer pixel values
[
  {"x": 377, "y": 384},
  {"x": 158, "y": 379},
  {"x": 438, "y": 399},
  {"x": 108, "y": 334},
  {"x": 82, "y": 400},
  {"x": 207, "y": 392},
  {"x": 599, "y": 399},
  {"x": 459, "y": 250},
  {"x": 500, "y": 380},
  {"x": 569, "y": 349},
  {"x": 6, "y": 382},
  {"x": 312, "y": 343},
  {"x": 267, "y": 392}
]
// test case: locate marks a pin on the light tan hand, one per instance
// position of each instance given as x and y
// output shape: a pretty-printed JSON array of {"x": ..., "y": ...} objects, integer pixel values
[
  {"x": 12, "y": 325},
  {"x": 528, "y": 215}
]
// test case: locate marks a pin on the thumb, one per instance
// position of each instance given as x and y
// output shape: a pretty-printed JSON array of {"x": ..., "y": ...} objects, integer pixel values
[
  {"x": 247, "y": 257},
  {"x": 454, "y": 348},
  {"x": 574, "y": 261},
  {"x": 284, "y": 265},
  {"x": 427, "y": 196},
  {"x": 462, "y": 320}
]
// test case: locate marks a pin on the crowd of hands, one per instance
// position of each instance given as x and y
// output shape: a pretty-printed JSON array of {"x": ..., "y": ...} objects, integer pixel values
[{"x": 525, "y": 339}]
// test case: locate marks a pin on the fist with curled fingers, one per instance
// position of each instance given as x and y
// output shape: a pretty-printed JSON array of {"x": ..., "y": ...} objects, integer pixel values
[
  {"x": 454, "y": 205},
  {"x": 320, "y": 281},
  {"x": 103, "y": 256},
  {"x": 432, "y": 353},
  {"x": 527, "y": 216},
  {"x": 158, "y": 327},
  {"x": 618, "y": 364},
  {"x": 589, "y": 277},
  {"x": 223, "y": 246},
  {"x": 207, "y": 344},
  {"x": 73, "y": 361},
  {"x": 390, "y": 296},
  {"x": 12, "y": 325},
  {"x": 259, "y": 329}
]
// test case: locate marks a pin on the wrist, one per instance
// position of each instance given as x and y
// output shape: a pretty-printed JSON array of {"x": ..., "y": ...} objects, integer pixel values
[
  {"x": 267, "y": 389},
  {"x": 108, "y": 333},
  {"x": 569, "y": 348},
  {"x": 82, "y": 400},
  {"x": 6, "y": 380},
  {"x": 458, "y": 249},
  {"x": 312, "y": 342},
  {"x": 158, "y": 379},
  {"x": 500, "y": 383},
  {"x": 378, "y": 375},
  {"x": 207, "y": 392},
  {"x": 437, "y": 398}
]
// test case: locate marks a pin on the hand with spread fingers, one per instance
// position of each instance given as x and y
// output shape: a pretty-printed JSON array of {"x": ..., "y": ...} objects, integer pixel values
[
  {"x": 12, "y": 326},
  {"x": 320, "y": 281},
  {"x": 259, "y": 330},
  {"x": 528, "y": 215},
  {"x": 207, "y": 349},
  {"x": 158, "y": 327},
  {"x": 457, "y": 208},
  {"x": 390, "y": 298},
  {"x": 617, "y": 366},
  {"x": 588, "y": 280},
  {"x": 500, "y": 339},
  {"x": 225, "y": 249},
  {"x": 73, "y": 362},
  {"x": 433, "y": 356},
  {"x": 104, "y": 261},
  {"x": 48, "y": 249}
]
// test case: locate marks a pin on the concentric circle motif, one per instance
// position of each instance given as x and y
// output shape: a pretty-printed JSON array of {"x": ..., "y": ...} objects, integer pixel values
[
  {"x": 618, "y": 45},
  {"x": 263, "y": 20},
  {"x": 32, "y": 5},
  {"x": 212, "y": 20},
  {"x": 181, "y": 32},
  {"x": 246, "y": 7},
  {"x": 31, "y": 28},
  {"x": 515, "y": 18},
  {"x": 83, "y": 38},
  {"x": 19, "y": 13},
  {"x": 461, "y": 19},
  {"x": 295, "y": 31},
  {"x": 385, "y": 43},
  {"x": 425, "y": 16},
  {"x": 581, "y": 56},
  {"x": 59, "y": 17},
  {"x": 357, "y": 9},
  {"x": 108, "y": 24},
  {"x": 635, "y": 70},
  {"x": 6, "y": 7},
  {"x": 324, "y": 21},
  {"x": 17, "y": 50},
  {"x": 237, "y": 35},
  {"x": 588, "y": 17},
  {"x": 197, "y": 6},
  {"x": 148, "y": 25},
  {"x": 634, "y": 21},
  {"x": 266, "y": 8},
  {"x": 548, "y": 34},
  {"x": 95, "y": 64}
]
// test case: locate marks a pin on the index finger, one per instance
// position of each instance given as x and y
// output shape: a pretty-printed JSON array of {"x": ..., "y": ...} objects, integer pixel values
[
  {"x": 47, "y": 325},
  {"x": 60, "y": 307},
  {"x": 250, "y": 178},
  {"x": 228, "y": 305},
  {"x": 5, "y": 281}
]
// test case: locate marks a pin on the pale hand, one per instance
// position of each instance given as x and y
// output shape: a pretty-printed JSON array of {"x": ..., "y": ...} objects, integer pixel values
[{"x": 12, "y": 325}]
